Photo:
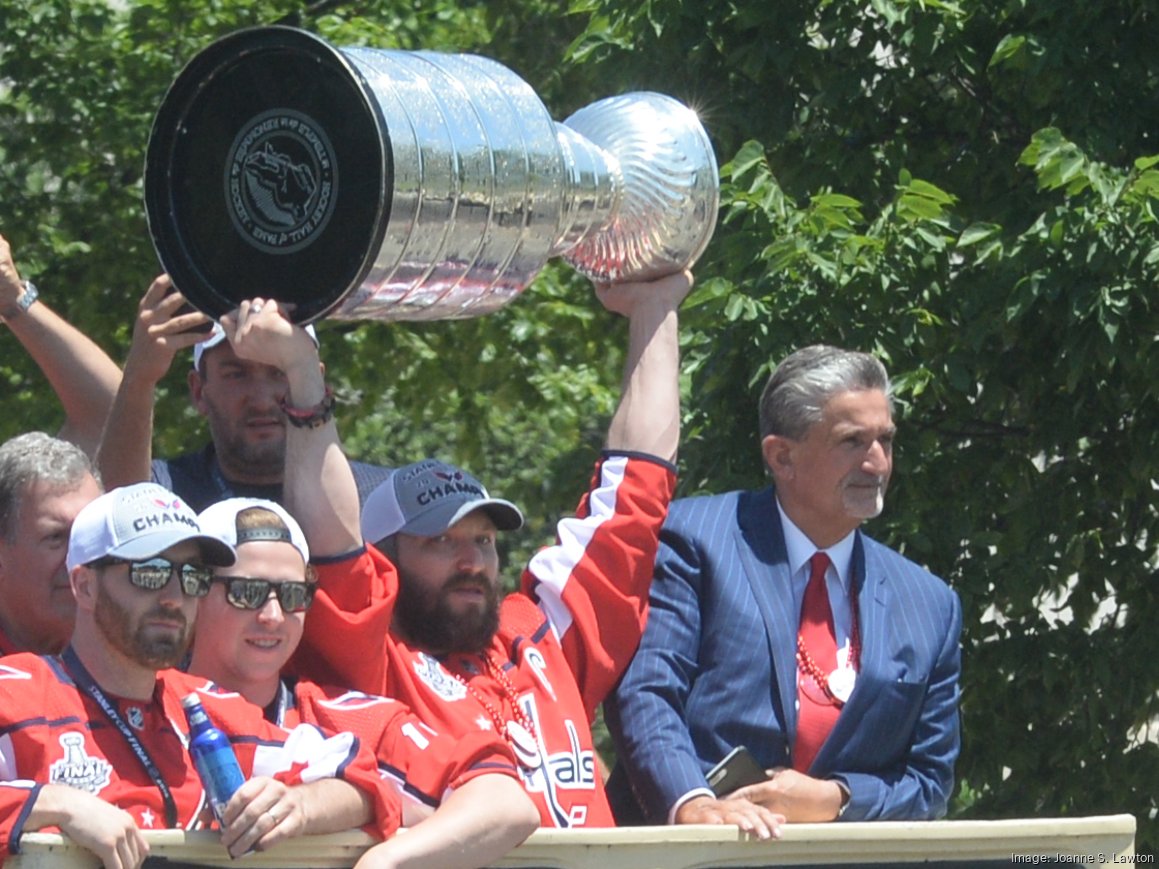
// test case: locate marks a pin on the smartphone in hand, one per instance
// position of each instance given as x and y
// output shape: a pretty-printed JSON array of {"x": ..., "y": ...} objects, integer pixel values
[{"x": 739, "y": 768}]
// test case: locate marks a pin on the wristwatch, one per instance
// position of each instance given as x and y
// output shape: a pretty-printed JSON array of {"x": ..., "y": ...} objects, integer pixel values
[{"x": 30, "y": 295}]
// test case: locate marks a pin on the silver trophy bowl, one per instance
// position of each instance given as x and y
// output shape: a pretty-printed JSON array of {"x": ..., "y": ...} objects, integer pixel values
[{"x": 360, "y": 183}]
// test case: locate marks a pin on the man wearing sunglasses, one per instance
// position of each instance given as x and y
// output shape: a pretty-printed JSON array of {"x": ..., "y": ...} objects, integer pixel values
[
  {"x": 94, "y": 739},
  {"x": 250, "y": 623}
]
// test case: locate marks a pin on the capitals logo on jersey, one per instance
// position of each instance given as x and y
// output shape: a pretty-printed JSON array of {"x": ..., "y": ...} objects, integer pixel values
[
  {"x": 78, "y": 769},
  {"x": 438, "y": 679},
  {"x": 570, "y": 769}
]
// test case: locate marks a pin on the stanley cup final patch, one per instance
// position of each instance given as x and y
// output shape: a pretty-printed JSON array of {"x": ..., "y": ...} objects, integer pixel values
[
  {"x": 281, "y": 181},
  {"x": 437, "y": 679},
  {"x": 77, "y": 769}
]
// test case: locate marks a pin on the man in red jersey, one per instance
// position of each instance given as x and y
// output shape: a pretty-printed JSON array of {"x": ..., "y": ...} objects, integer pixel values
[
  {"x": 93, "y": 742},
  {"x": 534, "y": 667},
  {"x": 461, "y": 797}
]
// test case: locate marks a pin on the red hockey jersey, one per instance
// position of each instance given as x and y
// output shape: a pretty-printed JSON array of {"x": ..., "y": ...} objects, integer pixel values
[
  {"x": 54, "y": 732},
  {"x": 421, "y": 764},
  {"x": 562, "y": 643}
]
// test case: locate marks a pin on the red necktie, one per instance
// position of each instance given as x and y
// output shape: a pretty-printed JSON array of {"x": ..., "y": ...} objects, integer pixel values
[{"x": 816, "y": 643}]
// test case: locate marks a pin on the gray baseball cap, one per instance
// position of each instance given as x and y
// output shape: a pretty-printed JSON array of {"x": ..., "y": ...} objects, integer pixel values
[{"x": 428, "y": 497}]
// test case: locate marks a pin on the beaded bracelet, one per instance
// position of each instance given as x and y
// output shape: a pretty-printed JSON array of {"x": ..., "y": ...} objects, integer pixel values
[{"x": 310, "y": 417}]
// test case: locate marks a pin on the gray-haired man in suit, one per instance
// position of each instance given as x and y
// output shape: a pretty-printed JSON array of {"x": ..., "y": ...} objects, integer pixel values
[{"x": 845, "y": 688}]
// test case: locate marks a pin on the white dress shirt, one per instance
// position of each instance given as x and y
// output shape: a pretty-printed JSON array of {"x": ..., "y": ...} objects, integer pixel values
[{"x": 838, "y": 579}]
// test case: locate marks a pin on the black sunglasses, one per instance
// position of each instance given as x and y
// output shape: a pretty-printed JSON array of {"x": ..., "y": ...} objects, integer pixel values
[
  {"x": 251, "y": 593},
  {"x": 155, "y": 573}
]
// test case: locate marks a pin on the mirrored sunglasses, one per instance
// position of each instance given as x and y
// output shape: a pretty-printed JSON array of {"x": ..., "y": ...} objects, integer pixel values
[
  {"x": 251, "y": 593},
  {"x": 154, "y": 574}
]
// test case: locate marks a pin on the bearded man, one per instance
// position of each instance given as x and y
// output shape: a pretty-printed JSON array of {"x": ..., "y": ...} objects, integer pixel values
[
  {"x": 240, "y": 400},
  {"x": 534, "y": 666}
]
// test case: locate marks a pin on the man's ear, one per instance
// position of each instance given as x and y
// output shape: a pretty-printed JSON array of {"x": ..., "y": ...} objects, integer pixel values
[
  {"x": 84, "y": 586},
  {"x": 778, "y": 452},
  {"x": 196, "y": 388}
]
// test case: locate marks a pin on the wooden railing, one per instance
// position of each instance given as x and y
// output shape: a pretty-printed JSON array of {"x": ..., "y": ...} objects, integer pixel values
[{"x": 1097, "y": 841}]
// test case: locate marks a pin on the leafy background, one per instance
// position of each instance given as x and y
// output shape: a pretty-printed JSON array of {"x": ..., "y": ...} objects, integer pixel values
[{"x": 966, "y": 188}]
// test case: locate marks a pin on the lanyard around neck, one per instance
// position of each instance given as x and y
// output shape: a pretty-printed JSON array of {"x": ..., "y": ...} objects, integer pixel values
[{"x": 87, "y": 684}]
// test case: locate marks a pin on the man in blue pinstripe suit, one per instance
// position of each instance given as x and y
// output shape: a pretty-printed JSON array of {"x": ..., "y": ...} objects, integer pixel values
[{"x": 722, "y": 661}]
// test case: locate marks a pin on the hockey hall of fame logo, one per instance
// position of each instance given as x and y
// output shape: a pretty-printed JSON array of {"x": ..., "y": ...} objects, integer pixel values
[{"x": 281, "y": 180}]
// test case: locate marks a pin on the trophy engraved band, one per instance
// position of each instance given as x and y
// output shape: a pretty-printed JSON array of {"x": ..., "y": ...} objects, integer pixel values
[{"x": 360, "y": 183}]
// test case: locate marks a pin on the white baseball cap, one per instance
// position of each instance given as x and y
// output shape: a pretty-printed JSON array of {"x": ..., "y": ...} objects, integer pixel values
[
  {"x": 138, "y": 522},
  {"x": 220, "y": 521},
  {"x": 217, "y": 335}
]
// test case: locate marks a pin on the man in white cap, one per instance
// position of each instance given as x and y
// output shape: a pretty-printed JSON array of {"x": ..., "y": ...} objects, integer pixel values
[
  {"x": 453, "y": 790},
  {"x": 93, "y": 744},
  {"x": 241, "y": 400},
  {"x": 535, "y": 666}
]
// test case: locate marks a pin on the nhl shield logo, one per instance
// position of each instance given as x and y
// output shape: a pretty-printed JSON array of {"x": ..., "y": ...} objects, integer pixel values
[{"x": 438, "y": 679}]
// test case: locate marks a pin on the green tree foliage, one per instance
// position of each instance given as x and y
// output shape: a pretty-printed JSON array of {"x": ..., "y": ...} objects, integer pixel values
[
  {"x": 966, "y": 188},
  {"x": 522, "y": 395}
]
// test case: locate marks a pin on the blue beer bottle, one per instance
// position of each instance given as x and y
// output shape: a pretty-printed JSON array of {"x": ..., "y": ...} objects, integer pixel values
[{"x": 213, "y": 756}]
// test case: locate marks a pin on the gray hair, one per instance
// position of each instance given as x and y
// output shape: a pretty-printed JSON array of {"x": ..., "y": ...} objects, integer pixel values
[
  {"x": 797, "y": 391},
  {"x": 33, "y": 458}
]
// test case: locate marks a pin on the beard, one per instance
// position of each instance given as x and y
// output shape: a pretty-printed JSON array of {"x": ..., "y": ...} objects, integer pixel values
[
  {"x": 868, "y": 499},
  {"x": 426, "y": 618},
  {"x": 263, "y": 459},
  {"x": 136, "y": 642}
]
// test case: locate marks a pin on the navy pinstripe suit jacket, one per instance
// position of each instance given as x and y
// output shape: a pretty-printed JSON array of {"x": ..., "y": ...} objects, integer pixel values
[{"x": 717, "y": 668}]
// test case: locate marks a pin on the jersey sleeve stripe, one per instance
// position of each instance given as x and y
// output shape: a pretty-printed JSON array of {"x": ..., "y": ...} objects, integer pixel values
[
  {"x": 22, "y": 818},
  {"x": 553, "y": 566}
]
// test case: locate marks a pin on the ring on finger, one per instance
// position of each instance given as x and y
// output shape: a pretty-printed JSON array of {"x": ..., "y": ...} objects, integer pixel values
[
  {"x": 274, "y": 818},
  {"x": 256, "y": 308}
]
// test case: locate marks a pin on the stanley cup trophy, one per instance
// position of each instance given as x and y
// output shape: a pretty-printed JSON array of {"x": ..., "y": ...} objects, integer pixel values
[{"x": 371, "y": 184}]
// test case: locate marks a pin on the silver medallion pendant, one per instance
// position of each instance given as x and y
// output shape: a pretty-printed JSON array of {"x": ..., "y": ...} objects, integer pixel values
[
  {"x": 524, "y": 744},
  {"x": 810, "y": 689},
  {"x": 841, "y": 682}
]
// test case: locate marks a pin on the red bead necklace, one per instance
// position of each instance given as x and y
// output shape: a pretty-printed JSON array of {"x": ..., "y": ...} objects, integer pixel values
[
  {"x": 520, "y": 733},
  {"x": 808, "y": 666}
]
